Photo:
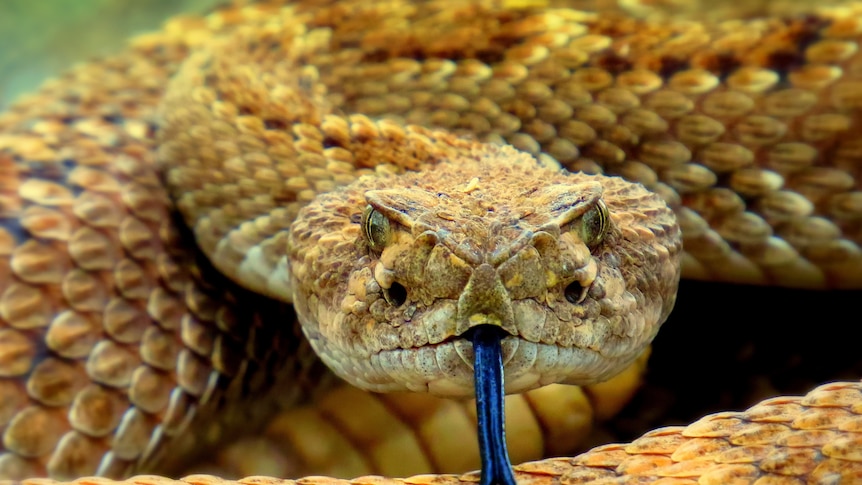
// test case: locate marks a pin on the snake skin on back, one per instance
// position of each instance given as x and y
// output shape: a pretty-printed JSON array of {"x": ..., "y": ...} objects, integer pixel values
[
  {"x": 479, "y": 233},
  {"x": 120, "y": 344}
]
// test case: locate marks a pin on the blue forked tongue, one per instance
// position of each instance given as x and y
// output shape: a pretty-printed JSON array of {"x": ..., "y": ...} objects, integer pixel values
[{"x": 488, "y": 376}]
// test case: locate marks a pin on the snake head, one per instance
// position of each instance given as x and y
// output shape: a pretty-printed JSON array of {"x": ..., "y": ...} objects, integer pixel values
[{"x": 391, "y": 272}]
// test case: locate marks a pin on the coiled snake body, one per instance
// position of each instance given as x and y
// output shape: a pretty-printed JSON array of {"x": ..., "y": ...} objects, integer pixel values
[{"x": 395, "y": 171}]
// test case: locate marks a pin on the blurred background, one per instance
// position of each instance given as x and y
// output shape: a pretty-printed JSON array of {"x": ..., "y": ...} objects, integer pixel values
[{"x": 40, "y": 38}]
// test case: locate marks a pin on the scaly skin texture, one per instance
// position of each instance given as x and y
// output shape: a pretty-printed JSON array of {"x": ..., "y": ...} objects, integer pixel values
[
  {"x": 487, "y": 237},
  {"x": 816, "y": 438},
  {"x": 119, "y": 342}
]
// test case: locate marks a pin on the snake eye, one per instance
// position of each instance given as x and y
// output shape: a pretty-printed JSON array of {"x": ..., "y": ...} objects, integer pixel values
[
  {"x": 593, "y": 225},
  {"x": 376, "y": 228}
]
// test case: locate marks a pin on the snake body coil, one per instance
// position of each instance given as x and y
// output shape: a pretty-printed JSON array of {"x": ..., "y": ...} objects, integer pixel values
[{"x": 394, "y": 170}]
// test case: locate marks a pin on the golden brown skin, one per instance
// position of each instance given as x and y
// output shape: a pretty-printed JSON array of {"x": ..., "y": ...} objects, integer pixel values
[
  {"x": 815, "y": 438},
  {"x": 767, "y": 111},
  {"x": 488, "y": 237},
  {"x": 750, "y": 127},
  {"x": 480, "y": 234}
]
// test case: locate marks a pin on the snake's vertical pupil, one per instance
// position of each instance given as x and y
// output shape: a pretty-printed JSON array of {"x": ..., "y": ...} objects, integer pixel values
[
  {"x": 593, "y": 225},
  {"x": 488, "y": 381},
  {"x": 376, "y": 228}
]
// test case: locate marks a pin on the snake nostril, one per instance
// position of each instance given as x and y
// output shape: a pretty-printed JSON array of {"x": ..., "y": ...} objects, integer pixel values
[
  {"x": 395, "y": 295},
  {"x": 575, "y": 293}
]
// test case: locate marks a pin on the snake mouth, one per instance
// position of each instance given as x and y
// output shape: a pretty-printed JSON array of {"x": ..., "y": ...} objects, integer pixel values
[
  {"x": 433, "y": 355},
  {"x": 447, "y": 368},
  {"x": 469, "y": 335},
  {"x": 487, "y": 329}
]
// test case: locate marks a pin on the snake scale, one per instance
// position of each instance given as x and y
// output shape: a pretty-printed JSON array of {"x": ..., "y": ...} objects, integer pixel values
[{"x": 380, "y": 163}]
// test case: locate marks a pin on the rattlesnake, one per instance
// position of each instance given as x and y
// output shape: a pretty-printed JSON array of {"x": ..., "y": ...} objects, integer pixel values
[{"x": 120, "y": 340}]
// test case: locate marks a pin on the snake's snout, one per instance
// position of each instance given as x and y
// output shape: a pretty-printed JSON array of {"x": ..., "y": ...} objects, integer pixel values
[{"x": 485, "y": 301}]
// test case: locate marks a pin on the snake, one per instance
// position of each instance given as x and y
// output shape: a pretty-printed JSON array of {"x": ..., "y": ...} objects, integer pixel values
[{"x": 399, "y": 177}]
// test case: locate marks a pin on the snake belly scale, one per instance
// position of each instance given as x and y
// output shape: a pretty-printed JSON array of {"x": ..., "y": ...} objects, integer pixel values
[{"x": 162, "y": 208}]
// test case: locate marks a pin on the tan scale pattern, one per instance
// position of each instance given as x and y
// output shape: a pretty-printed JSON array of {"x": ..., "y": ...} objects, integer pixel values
[
  {"x": 116, "y": 343},
  {"x": 776, "y": 180},
  {"x": 750, "y": 127},
  {"x": 111, "y": 342},
  {"x": 126, "y": 352},
  {"x": 815, "y": 438}
]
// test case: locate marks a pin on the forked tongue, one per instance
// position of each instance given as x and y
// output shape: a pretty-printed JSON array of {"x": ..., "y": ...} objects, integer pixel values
[{"x": 488, "y": 376}]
